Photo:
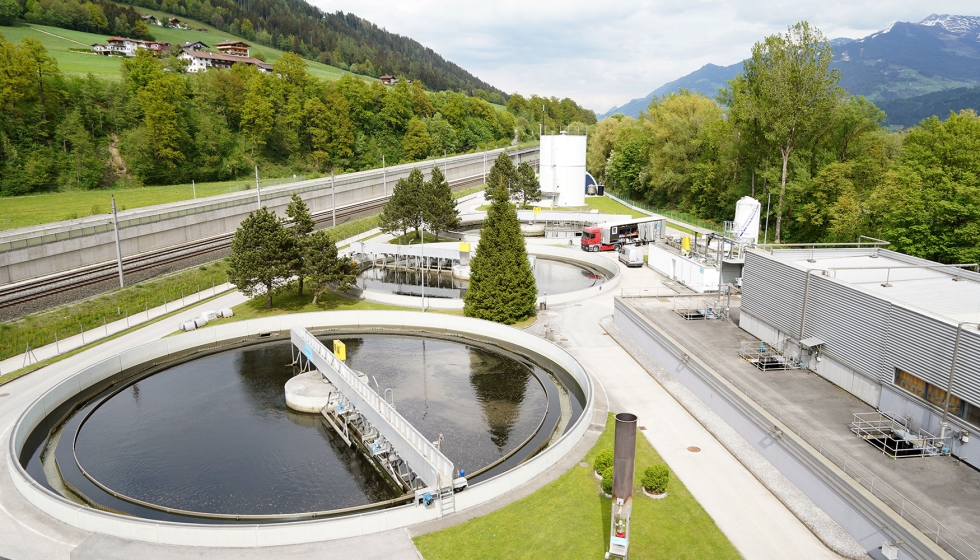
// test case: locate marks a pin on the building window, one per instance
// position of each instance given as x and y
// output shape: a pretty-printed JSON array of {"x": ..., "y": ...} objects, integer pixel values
[{"x": 937, "y": 396}]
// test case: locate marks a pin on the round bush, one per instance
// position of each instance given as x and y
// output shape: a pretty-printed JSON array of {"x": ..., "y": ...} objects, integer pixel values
[
  {"x": 603, "y": 459},
  {"x": 655, "y": 479},
  {"x": 607, "y": 480}
]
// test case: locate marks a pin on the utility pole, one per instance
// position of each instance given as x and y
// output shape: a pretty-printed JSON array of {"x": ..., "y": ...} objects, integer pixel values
[
  {"x": 422, "y": 268},
  {"x": 258, "y": 191},
  {"x": 384, "y": 176},
  {"x": 115, "y": 227},
  {"x": 333, "y": 198}
]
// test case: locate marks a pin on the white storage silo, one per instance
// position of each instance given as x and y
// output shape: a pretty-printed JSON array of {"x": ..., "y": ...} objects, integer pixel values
[
  {"x": 746, "y": 227},
  {"x": 563, "y": 169}
]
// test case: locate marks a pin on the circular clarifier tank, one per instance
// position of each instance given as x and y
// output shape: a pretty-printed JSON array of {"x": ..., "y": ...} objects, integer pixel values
[
  {"x": 552, "y": 276},
  {"x": 212, "y": 438}
]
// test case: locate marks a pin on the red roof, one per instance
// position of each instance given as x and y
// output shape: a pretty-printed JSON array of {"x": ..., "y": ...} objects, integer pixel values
[
  {"x": 231, "y": 44},
  {"x": 225, "y": 57}
]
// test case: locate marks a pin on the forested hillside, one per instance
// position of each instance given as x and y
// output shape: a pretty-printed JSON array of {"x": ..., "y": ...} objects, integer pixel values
[
  {"x": 833, "y": 172},
  {"x": 342, "y": 40},
  {"x": 158, "y": 125}
]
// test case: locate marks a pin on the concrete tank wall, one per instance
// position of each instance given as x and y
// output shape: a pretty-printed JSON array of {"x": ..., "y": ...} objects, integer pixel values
[{"x": 42, "y": 250}]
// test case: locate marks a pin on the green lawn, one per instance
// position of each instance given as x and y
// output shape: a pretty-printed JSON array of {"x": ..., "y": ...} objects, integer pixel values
[
  {"x": 108, "y": 66},
  {"x": 40, "y": 329},
  {"x": 30, "y": 210},
  {"x": 568, "y": 518}
]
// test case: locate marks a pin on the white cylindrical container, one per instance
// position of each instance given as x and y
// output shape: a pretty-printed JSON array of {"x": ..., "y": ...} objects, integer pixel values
[
  {"x": 746, "y": 228},
  {"x": 188, "y": 326},
  {"x": 210, "y": 314},
  {"x": 200, "y": 322},
  {"x": 226, "y": 312}
]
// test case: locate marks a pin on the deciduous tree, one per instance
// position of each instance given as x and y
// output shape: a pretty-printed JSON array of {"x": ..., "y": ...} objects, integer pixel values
[{"x": 262, "y": 250}]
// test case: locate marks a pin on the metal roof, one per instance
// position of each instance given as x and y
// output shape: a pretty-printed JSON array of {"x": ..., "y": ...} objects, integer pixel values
[{"x": 948, "y": 293}]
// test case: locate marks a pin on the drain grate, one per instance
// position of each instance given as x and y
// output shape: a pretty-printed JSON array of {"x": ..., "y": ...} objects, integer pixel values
[{"x": 694, "y": 449}]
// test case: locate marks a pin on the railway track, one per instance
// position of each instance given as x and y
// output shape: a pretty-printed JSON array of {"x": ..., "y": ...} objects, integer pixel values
[{"x": 13, "y": 295}]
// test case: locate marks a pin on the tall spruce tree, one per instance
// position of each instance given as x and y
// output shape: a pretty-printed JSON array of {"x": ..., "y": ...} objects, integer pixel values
[
  {"x": 502, "y": 174},
  {"x": 440, "y": 210},
  {"x": 262, "y": 251},
  {"x": 300, "y": 226},
  {"x": 502, "y": 286}
]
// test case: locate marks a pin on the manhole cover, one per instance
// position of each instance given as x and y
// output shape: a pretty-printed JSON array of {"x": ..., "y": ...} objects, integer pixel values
[
  {"x": 4, "y": 394},
  {"x": 583, "y": 464},
  {"x": 643, "y": 427},
  {"x": 693, "y": 449}
]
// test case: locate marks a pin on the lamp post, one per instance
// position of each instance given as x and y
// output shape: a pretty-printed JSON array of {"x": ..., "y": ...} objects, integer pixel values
[
  {"x": 952, "y": 372},
  {"x": 422, "y": 241}
]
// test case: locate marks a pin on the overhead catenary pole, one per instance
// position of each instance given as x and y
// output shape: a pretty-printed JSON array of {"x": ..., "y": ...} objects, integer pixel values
[
  {"x": 384, "y": 176},
  {"x": 333, "y": 198},
  {"x": 194, "y": 189},
  {"x": 422, "y": 241},
  {"x": 115, "y": 227},
  {"x": 258, "y": 191}
]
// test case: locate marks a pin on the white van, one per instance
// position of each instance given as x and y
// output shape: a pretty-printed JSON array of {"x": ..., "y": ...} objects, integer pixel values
[{"x": 631, "y": 255}]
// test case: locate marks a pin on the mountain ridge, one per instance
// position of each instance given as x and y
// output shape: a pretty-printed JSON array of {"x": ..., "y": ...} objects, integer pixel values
[{"x": 903, "y": 61}]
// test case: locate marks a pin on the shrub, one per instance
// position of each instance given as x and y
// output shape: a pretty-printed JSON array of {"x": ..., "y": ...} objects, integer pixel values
[
  {"x": 655, "y": 479},
  {"x": 602, "y": 460},
  {"x": 607, "y": 480}
]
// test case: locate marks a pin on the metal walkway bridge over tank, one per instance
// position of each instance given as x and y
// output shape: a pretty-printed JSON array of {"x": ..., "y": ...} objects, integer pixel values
[{"x": 387, "y": 436}]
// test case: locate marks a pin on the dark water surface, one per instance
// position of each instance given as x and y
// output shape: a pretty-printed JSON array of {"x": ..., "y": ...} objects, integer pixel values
[
  {"x": 214, "y": 435},
  {"x": 551, "y": 277}
]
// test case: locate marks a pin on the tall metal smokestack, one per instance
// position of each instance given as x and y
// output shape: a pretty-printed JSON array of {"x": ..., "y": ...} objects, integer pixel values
[{"x": 624, "y": 455}]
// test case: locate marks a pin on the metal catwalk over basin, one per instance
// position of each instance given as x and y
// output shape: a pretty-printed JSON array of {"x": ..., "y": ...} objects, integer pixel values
[{"x": 422, "y": 456}]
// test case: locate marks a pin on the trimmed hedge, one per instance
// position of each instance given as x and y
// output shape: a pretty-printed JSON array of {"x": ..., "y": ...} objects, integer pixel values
[
  {"x": 607, "y": 480},
  {"x": 603, "y": 459},
  {"x": 655, "y": 479}
]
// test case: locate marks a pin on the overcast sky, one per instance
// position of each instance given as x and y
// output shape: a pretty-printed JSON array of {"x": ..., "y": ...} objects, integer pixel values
[{"x": 605, "y": 53}]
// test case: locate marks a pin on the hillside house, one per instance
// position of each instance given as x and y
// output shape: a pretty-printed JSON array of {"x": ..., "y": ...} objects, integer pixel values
[
  {"x": 233, "y": 48},
  {"x": 125, "y": 46},
  {"x": 177, "y": 24},
  {"x": 388, "y": 80},
  {"x": 194, "y": 46},
  {"x": 149, "y": 19},
  {"x": 199, "y": 61}
]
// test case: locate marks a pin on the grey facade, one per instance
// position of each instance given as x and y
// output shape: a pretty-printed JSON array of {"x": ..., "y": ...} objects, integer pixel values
[{"x": 878, "y": 313}]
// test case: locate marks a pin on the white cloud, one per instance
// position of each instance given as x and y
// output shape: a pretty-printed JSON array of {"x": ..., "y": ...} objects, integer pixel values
[{"x": 604, "y": 54}]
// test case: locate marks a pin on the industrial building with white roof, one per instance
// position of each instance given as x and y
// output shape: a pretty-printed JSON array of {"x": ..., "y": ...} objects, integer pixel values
[{"x": 880, "y": 324}]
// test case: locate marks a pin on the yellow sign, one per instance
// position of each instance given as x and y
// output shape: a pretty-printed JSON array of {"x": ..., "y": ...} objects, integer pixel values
[
  {"x": 464, "y": 247},
  {"x": 340, "y": 350},
  {"x": 537, "y": 209}
]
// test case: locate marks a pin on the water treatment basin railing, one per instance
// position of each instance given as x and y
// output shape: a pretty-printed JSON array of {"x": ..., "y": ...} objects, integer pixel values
[{"x": 424, "y": 458}]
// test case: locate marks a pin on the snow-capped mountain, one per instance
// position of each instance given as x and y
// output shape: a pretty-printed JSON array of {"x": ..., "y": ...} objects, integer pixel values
[{"x": 960, "y": 25}]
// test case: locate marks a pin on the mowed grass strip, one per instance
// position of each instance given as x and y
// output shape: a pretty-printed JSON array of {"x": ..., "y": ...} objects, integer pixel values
[
  {"x": 66, "y": 321},
  {"x": 569, "y": 518}
]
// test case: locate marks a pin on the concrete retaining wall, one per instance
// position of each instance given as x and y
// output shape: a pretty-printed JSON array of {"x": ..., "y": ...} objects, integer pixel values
[
  {"x": 41, "y": 250},
  {"x": 301, "y": 531}
]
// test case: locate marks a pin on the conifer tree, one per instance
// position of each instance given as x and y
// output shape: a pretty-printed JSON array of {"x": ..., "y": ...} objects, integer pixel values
[
  {"x": 324, "y": 267},
  {"x": 502, "y": 286},
  {"x": 301, "y": 225},
  {"x": 440, "y": 209},
  {"x": 401, "y": 212},
  {"x": 261, "y": 253},
  {"x": 526, "y": 187},
  {"x": 502, "y": 174}
]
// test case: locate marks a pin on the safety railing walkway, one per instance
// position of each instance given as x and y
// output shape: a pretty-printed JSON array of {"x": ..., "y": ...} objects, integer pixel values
[{"x": 421, "y": 455}]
